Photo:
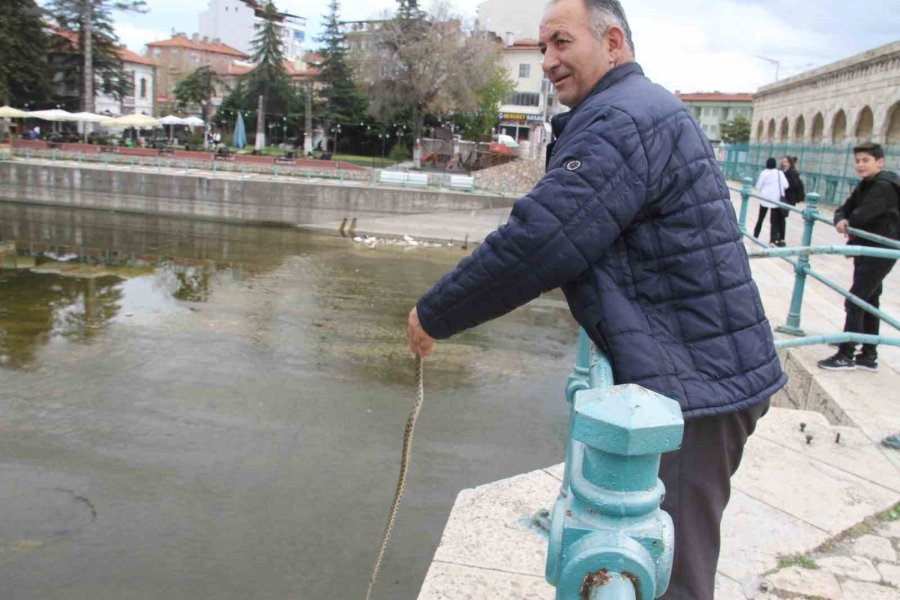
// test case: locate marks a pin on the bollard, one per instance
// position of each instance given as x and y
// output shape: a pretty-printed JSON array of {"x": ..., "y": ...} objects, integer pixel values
[
  {"x": 792, "y": 325},
  {"x": 610, "y": 528},
  {"x": 745, "y": 204}
]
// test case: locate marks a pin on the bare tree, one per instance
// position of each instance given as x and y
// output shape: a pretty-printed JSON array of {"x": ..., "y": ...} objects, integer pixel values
[{"x": 424, "y": 65}]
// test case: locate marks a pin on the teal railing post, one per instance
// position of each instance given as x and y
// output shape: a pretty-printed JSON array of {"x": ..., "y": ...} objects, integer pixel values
[
  {"x": 792, "y": 325},
  {"x": 578, "y": 381},
  {"x": 608, "y": 537},
  {"x": 745, "y": 204}
]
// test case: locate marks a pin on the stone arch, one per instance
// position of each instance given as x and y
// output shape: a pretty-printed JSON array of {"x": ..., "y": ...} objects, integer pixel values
[
  {"x": 892, "y": 125},
  {"x": 839, "y": 127},
  {"x": 759, "y": 131},
  {"x": 799, "y": 129},
  {"x": 783, "y": 132},
  {"x": 865, "y": 124},
  {"x": 771, "y": 130},
  {"x": 818, "y": 128}
]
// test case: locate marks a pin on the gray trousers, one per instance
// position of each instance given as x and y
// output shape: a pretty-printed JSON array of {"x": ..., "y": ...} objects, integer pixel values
[{"x": 698, "y": 485}]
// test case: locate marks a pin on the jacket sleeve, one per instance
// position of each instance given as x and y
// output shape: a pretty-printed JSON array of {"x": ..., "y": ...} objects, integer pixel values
[
  {"x": 844, "y": 211},
  {"x": 875, "y": 204},
  {"x": 564, "y": 225}
]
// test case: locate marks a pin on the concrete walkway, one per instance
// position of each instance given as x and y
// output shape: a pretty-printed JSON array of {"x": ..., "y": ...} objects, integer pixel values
[{"x": 812, "y": 479}]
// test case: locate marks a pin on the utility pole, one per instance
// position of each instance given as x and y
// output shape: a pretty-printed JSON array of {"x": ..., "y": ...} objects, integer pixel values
[
  {"x": 308, "y": 128},
  {"x": 261, "y": 124}
]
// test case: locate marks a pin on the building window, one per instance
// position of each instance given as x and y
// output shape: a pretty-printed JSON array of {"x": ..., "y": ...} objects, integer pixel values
[
  {"x": 524, "y": 99},
  {"x": 524, "y": 71},
  {"x": 157, "y": 52},
  {"x": 143, "y": 87}
]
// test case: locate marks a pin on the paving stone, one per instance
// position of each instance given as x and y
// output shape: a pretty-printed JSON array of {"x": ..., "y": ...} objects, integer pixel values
[
  {"x": 807, "y": 488},
  {"x": 854, "y": 567},
  {"x": 873, "y": 546},
  {"x": 455, "y": 582},
  {"x": 890, "y": 529},
  {"x": 728, "y": 589},
  {"x": 860, "y": 590},
  {"x": 819, "y": 583},
  {"x": 489, "y": 528},
  {"x": 749, "y": 547},
  {"x": 890, "y": 573}
]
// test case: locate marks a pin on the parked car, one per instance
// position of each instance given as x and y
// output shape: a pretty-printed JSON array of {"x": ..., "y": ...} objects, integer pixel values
[{"x": 506, "y": 140}]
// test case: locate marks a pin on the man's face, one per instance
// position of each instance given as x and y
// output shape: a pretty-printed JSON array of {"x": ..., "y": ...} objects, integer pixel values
[
  {"x": 867, "y": 165},
  {"x": 574, "y": 60}
]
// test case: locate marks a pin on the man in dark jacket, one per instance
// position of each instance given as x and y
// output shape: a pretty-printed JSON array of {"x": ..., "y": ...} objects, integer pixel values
[
  {"x": 634, "y": 221},
  {"x": 873, "y": 206}
]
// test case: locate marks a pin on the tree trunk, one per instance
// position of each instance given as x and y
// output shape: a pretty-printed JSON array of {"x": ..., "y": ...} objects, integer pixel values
[
  {"x": 87, "y": 17},
  {"x": 261, "y": 124},
  {"x": 308, "y": 129}
]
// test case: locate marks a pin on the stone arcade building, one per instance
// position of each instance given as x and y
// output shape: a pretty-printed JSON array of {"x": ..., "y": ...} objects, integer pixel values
[{"x": 851, "y": 100}]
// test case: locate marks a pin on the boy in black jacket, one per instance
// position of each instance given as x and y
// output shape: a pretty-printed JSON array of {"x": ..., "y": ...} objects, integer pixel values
[{"x": 873, "y": 206}]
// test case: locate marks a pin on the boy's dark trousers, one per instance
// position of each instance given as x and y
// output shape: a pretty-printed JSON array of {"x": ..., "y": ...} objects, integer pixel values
[
  {"x": 868, "y": 275},
  {"x": 698, "y": 485}
]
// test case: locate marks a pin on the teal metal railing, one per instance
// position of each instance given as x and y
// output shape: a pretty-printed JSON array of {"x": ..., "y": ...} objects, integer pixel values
[
  {"x": 803, "y": 269},
  {"x": 825, "y": 169},
  {"x": 609, "y": 539}
]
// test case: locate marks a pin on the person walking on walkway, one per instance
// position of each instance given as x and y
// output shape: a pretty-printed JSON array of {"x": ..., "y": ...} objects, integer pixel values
[
  {"x": 634, "y": 221},
  {"x": 796, "y": 192},
  {"x": 873, "y": 206},
  {"x": 771, "y": 184}
]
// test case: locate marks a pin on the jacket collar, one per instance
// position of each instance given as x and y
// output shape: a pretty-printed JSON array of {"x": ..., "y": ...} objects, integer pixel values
[{"x": 558, "y": 123}]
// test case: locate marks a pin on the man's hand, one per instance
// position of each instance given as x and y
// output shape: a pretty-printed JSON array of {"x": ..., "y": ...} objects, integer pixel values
[
  {"x": 420, "y": 343},
  {"x": 842, "y": 226}
]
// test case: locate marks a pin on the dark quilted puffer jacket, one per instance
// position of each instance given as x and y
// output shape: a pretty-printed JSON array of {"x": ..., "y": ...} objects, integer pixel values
[{"x": 633, "y": 220}]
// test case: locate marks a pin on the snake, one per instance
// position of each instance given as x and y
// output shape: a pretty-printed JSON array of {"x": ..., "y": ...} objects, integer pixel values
[{"x": 401, "y": 479}]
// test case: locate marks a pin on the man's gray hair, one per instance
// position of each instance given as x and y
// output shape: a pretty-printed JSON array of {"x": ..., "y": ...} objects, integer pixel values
[{"x": 604, "y": 14}]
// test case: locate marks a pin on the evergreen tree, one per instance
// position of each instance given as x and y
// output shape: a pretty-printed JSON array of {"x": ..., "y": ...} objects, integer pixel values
[
  {"x": 736, "y": 131},
  {"x": 343, "y": 102},
  {"x": 268, "y": 77},
  {"x": 24, "y": 74},
  {"x": 95, "y": 58}
]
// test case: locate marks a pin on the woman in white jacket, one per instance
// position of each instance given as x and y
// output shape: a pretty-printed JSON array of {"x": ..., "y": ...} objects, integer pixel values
[{"x": 771, "y": 185}]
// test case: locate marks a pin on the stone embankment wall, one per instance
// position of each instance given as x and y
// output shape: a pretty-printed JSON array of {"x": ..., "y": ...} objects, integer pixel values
[
  {"x": 514, "y": 178},
  {"x": 201, "y": 195}
]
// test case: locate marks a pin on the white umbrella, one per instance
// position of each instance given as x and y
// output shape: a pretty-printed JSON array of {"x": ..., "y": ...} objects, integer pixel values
[
  {"x": 172, "y": 120},
  {"x": 53, "y": 114},
  {"x": 136, "y": 120},
  {"x": 8, "y": 112},
  {"x": 88, "y": 117},
  {"x": 194, "y": 121}
]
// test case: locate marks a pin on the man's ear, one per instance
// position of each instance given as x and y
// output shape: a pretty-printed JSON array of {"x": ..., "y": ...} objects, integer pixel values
[{"x": 617, "y": 45}]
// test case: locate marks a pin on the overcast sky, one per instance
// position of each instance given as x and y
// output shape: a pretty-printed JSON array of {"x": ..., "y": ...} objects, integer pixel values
[{"x": 688, "y": 45}]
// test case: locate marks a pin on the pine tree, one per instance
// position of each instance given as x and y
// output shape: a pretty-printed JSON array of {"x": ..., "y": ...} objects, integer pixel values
[
  {"x": 24, "y": 74},
  {"x": 268, "y": 77},
  {"x": 95, "y": 58},
  {"x": 343, "y": 102},
  {"x": 198, "y": 88}
]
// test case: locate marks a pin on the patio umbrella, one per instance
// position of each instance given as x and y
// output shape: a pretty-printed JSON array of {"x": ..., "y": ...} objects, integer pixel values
[
  {"x": 239, "y": 140},
  {"x": 171, "y": 121},
  {"x": 88, "y": 117},
  {"x": 194, "y": 121},
  {"x": 54, "y": 114},
  {"x": 136, "y": 120},
  {"x": 8, "y": 112}
]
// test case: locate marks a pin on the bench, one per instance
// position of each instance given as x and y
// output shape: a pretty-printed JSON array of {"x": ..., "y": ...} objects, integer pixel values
[
  {"x": 284, "y": 161},
  {"x": 114, "y": 149},
  {"x": 167, "y": 150},
  {"x": 229, "y": 157},
  {"x": 462, "y": 182},
  {"x": 54, "y": 145},
  {"x": 402, "y": 178}
]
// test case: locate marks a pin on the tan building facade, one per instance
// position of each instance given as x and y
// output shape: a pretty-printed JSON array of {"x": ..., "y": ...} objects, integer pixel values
[{"x": 842, "y": 103}]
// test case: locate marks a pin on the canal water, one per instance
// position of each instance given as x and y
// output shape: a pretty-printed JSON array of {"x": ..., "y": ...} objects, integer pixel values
[{"x": 200, "y": 410}]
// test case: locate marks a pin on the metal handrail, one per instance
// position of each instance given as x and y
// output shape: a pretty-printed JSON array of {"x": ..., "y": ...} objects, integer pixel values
[{"x": 802, "y": 269}]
